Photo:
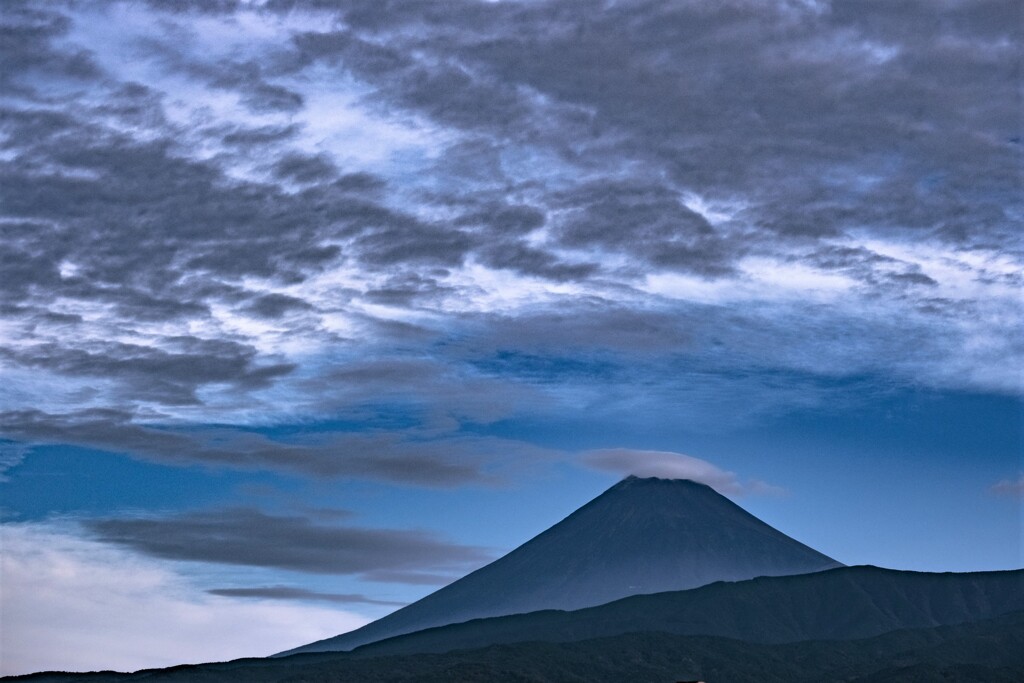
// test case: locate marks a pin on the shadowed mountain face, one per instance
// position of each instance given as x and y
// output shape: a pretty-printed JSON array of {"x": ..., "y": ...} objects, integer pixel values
[
  {"x": 990, "y": 651},
  {"x": 839, "y": 604},
  {"x": 640, "y": 536}
]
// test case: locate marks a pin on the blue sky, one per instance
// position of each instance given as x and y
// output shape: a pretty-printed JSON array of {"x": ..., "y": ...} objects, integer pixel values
[{"x": 310, "y": 308}]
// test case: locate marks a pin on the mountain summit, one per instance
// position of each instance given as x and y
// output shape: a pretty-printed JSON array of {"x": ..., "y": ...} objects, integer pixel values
[{"x": 639, "y": 536}]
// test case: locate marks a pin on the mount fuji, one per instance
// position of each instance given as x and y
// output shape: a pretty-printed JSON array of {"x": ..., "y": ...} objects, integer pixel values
[{"x": 640, "y": 536}]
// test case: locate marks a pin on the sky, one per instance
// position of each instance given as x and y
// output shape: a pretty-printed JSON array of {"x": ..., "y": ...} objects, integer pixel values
[{"x": 312, "y": 307}]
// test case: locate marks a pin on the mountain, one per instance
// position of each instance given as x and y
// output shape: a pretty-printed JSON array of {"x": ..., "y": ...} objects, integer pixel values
[
  {"x": 837, "y": 604},
  {"x": 990, "y": 651},
  {"x": 639, "y": 536}
]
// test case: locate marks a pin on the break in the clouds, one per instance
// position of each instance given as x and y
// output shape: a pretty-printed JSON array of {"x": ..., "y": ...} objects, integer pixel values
[{"x": 254, "y": 538}]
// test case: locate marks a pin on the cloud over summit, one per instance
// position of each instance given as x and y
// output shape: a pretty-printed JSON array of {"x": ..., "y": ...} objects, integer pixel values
[{"x": 668, "y": 465}]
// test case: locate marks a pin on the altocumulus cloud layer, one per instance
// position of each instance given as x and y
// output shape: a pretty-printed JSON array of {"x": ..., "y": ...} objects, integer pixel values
[
  {"x": 287, "y": 208},
  {"x": 406, "y": 223}
]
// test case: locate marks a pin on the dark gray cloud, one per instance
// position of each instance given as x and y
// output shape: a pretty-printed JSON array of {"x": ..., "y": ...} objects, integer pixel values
[
  {"x": 823, "y": 117},
  {"x": 276, "y": 305},
  {"x": 867, "y": 266},
  {"x": 196, "y": 6},
  {"x": 303, "y": 168},
  {"x": 648, "y": 220},
  {"x": 248, "y": 78},
  {"x": 133, "y": 219},
  {"x": 790, "y": 109},
  {"x": 411, "y": 242},
  {"x": 409, "y": 289},
  {"x": 33, "y": 62},
  {"x": 405, "y": 457},
  {"x": 776, "y": 106},
  {"x": 96, "y": 218},
  {"x": 249, "y": 537},
  {"x": 508, "y": 220},
  {"x": 292, "y": 593},
  {"x": 169, "y": 375},
  {"x": 450, "y": 92},
  {"x": 262, "y": 135},
  {"x": 526, "y": 260}
]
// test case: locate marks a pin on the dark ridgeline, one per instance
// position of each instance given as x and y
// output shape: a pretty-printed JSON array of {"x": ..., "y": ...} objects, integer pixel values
[
  {"x": 845, "y": 603},
  {"x": 640, "y": 536},
  {"x": 970, "y": 649}
]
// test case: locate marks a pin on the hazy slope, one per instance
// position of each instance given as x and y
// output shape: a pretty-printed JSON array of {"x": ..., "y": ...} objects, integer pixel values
[
  {"x": 839, "y": 604},
  {"x": 640, "y": 536}
]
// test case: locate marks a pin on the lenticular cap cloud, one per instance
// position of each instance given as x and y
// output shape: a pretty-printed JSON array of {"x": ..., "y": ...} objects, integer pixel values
[{"x": 670, "y": 465}]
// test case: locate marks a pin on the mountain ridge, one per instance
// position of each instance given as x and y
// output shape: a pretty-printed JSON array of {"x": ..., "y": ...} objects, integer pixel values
[
  {"x": 642, "y": 535},
  {"x": 836, "y": 604},
  {"x": 985, "y": 651}
]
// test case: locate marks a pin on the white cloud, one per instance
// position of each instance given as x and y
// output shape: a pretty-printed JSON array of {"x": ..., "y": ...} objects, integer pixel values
[
  {"x": 671, "y": 465},
  {"x": 78, "y": 605}
]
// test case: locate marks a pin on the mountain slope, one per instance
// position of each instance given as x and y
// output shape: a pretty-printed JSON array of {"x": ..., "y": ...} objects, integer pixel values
[
  {"x": 838, "y": 604},
  {"x": 640, "y": 536},
  {"x": 989, "y": 651}
]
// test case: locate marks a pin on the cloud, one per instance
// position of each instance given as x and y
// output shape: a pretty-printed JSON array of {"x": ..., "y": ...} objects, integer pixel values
[
  {"x": 409, "y": 458},
  {"x": 72, "y": 604},
  {"x": 293, "y": 593},
  {"x": 170, "y": 376},
  {"x": 301, "y": 168},
  {"x": 670, "y": 465},
  {"x": 697, "y": 90},
  {"x": 407, "y": 290},
  {"x": 177, "y": 53},
  {"x": 1009, "y": 487},
  {"x": 649, "y": 220},
  {"x": 276, "y": 305},
  {"x": 868, "y": 266},
  {"x": 249, "y": 537},
  {"x": 433, "y": 388},
  {"x": 192, "y": 218},
  {"x": 32, "y": 56},
  {"x": 737, "y": 203},
  {"x": 521, "y": 258},
  {"x": 258, "y": 136},
  {"x": 11, "y": 455}
]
